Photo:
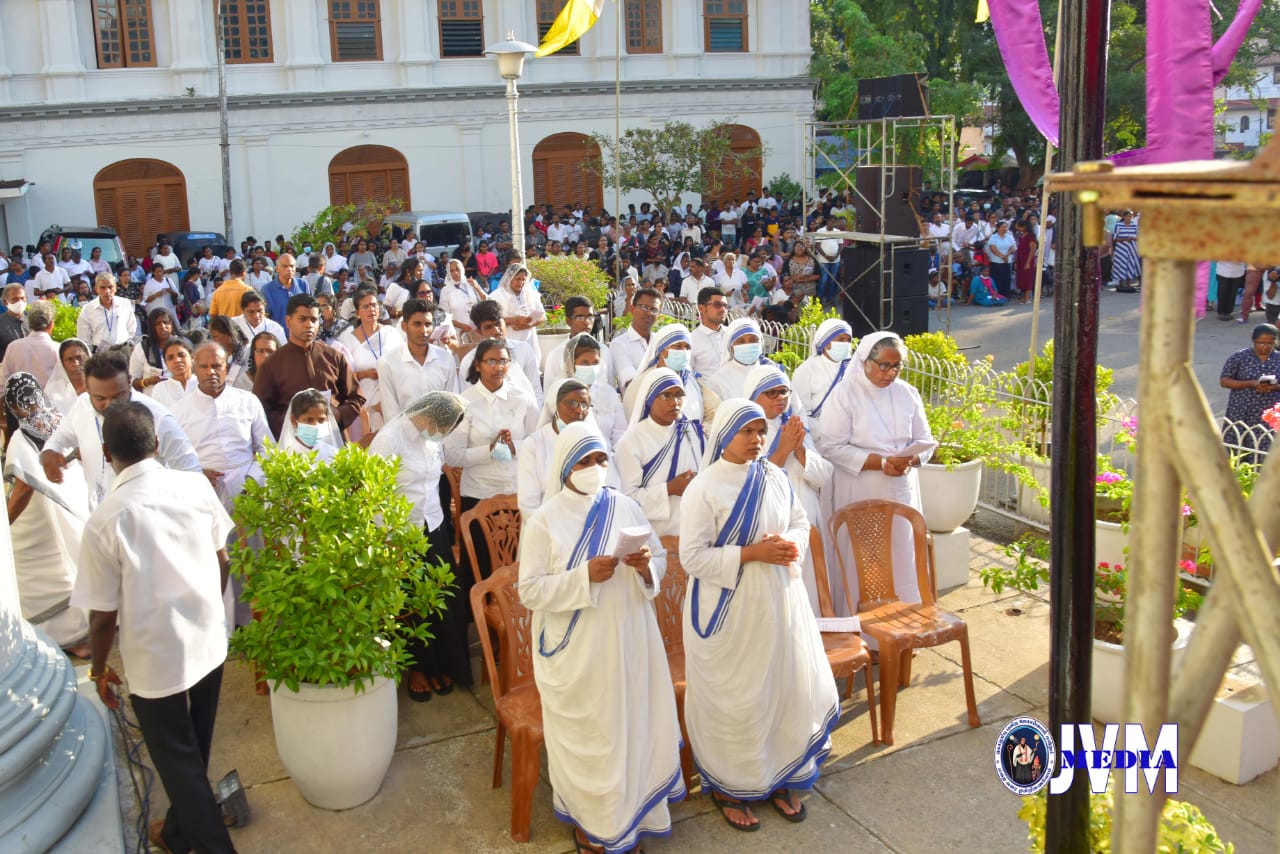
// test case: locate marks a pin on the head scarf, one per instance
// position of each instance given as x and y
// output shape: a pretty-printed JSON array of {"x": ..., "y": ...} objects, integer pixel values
[
  {"x": 555, "y": 393},
  {"x": 649, "y": 386},
  {"x": 450, "y": 278},
  {"x": 732, "y": 415},
  {"x": 662, "y": 338},
  {"x": 23, "y": 392},
  {"x": 827, "y": 332},
  {"x": 858, "y": 363},
  {"x": 574, "y": 442},
  {"x": 744, "y": 326},
  {"x": 60, "y": 387},
  {"x": 760, "y": 379},
  {"x": 330, "y": 432},
  {"x": 510, "y": 274},
  {"x": 571, "y": 353},
  {"x": 444, "y": 409}
]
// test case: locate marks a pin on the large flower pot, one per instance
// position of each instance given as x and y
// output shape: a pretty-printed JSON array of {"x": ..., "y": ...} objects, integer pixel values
[
  {"x": 1110, "y": 541},
  {"x": 1108, "y": 678},
  {"x": 548, "y": 341},
  {"x": 1029, "y": 499},
  {"x": 336, "y": 744},
  {"x": 949, "y": 496}
]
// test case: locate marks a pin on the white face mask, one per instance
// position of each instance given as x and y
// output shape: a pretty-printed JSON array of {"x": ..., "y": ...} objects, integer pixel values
[
  {"x": 586, "y": 374},
  {"x": 501, "y": 453},
  {"x": 588, "y": 481},
  {"x": 19, "y": 308},
  {"x": 840, "y": 351},
  {"x": 678, "y": 360},
  {"x": 746, "y": 354},
  {"x": 433, "y": 438}
]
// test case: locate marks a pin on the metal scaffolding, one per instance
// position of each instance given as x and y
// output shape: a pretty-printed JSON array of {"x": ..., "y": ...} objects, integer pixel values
[
  {"x": 844, "y": 147},
  {"x": 1186, "y": 451}
]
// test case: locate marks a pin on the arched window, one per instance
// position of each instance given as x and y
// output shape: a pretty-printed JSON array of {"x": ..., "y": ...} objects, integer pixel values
[
  {"x": 369, "y": 173},
  {"x": 558, "y": 176},
  {"x": 735, "y": 186},
  {"x": 1244, "y": 123},
  {"x": 140, "y": 199}
]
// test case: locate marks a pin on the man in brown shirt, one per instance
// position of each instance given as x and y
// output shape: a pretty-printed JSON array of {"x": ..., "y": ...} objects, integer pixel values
[
  {"x": 303, "y": 363},
  {"x": 226, "y": 297}
]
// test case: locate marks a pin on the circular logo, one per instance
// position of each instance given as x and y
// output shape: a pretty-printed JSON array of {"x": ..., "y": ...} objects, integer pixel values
[{"x": 1024, "y": 756}]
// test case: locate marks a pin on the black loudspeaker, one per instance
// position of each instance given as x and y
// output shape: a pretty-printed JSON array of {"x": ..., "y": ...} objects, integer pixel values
[
  {"x": 861, "y": 290},
  {"x": 903, "y": 186},
  {"x": 889, "y": 97}
]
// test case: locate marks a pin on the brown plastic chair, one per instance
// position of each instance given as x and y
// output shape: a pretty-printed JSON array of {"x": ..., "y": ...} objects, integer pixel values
[
  {"x": 515, "y": 695},
  {"x": 898, "y": 628},
  {"x": 454, "y": 475},
  {"x": 499, "y": 519},
  {"x": 847, "y": 652},
  {"x": 669, "y": 604}
]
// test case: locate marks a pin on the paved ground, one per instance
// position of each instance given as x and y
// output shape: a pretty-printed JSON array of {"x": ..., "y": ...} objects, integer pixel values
[
  {"x": 1006, "y": 334},
  {"x": 935, "y": 790}
]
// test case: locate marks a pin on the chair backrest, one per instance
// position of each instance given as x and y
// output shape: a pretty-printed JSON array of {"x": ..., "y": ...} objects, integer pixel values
[
  {"x": 454, "y": 475},
  {"x": 517, "y": 621},
  {"x": 499, "y": 519},
  {"x": 817, "y": 552},
  {"x": 869, "y": 526},
  {"x": 669, "y": 602}
]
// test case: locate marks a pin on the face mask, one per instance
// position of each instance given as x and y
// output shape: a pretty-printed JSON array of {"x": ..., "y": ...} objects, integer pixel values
[
  {"x": 560, "y": 424},
  {"x": 308, "y": 434},
  {"x": 588, "y": 481},
  {"x": 586, "y": 373},
  {"x": 746, "y": 354},
  {"x": 840, "y": 351},
  {"x": 678, "y": 360},
  {"x": 433, "y": 438},
  {"x": 986, "y": 207},
  {"x": 501, "y": 453},
  {"x": 19, "y": 308}
]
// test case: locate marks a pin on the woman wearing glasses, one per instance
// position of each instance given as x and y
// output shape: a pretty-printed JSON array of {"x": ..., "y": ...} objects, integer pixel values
[
  {"x": 568, "y": 401},
  {"x": 874, "y": 431}
]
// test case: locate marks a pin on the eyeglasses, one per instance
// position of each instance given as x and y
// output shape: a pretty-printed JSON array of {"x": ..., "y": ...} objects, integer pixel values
[
  {"x": 647, "y": 309},
  {"x": 674, "y": 394},
  {"x": 719, "y": 303},
  {"x": 775, "y": 393},
  {"x": 888, "y": 367},
  {"x": 587, "y": 316},
  {"x": 495, "y": 363},
  {"x": 576, "y": 405}
]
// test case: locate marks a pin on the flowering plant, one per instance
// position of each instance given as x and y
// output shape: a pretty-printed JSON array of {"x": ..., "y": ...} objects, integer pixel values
[{"x": 1272, "y": 417}]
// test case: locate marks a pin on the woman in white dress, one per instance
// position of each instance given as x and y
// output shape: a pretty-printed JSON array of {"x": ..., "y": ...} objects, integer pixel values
[
  {"x": 760, "y": 703},
  {"x": 457, "y": 295},
  {"x": 816, "y": 379},
  {"x": 745, "y": 343},
  {"x": 67, "y": 382},
  {"x": 146, "y": 362},
  {"x": 310, "y": 427},
  {"x": 367, "y": 342},
  {"x": 790, "y": 447},
  {"x": 661, "y": 451},
  {"x": 521, "y": 305},
  {"x": 671, "y": 347},
  {"x": 608, "y": 709},
  {"x": 568, "y": 401},
  {"x": 46, "y": 519},
  {"x": 866, "y": 430},
  {"x": 181, "y": 381},
  {"x": 732, "y": 281},
  {"x": 585, "y": 361}
]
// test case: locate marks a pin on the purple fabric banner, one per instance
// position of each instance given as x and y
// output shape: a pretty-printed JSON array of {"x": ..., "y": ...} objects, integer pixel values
[
  {"x": 1020, "y": 35},
  {"x": 1225, "y": 50}
]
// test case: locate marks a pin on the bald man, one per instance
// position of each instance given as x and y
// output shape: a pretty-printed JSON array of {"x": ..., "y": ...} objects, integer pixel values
[{"x": 286, "y": 284}]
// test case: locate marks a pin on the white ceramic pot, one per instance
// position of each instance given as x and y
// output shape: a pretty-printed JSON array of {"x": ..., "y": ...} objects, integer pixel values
[
  {"x": 949, "y": 496},
  {"x": 336, "y": 744},
  {"x": 548, "y": 342},
  {"x": 1029, "y": 499},
  {"x": 1110, "y": 541},
  {"x": 1108, "y": 679}
]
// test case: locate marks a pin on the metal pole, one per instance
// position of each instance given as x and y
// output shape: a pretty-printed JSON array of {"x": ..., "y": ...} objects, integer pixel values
[
  {"x": 1041, "y": 248},
  {"x": 224, "y": 134},
  {"x": 517, "y": 189},
  {"x": 1082, "y": 63},
  {"x": 617, "y": 124}
]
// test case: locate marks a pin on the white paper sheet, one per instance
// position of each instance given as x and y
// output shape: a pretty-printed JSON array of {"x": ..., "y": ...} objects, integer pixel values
[
  {"x": 923, "y": 446},
  {"x": 630, "y": 541},
  {"x": 839, "y": 624}
]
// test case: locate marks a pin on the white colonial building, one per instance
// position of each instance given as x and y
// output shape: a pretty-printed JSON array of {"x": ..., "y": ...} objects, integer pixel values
[
  {"x": 1250, "y": 110},
  {"x": 109, "y": 109}
]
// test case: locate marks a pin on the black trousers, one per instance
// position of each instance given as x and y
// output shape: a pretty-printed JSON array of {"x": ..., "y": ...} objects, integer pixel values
[
  {"x": 178, "y": 731},
  {"x": 1228, "y": 287},
  {"x": 447, "y": 653}
]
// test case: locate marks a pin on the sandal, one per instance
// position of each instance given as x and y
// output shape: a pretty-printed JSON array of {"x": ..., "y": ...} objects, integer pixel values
[
  {"x": 418, "y": 695},
  {"x": 581, "y": 845},
  {"x": 442, "y": 685},
  {"x": 781, "y": 795},
  {"x": 743, "y": 807}
]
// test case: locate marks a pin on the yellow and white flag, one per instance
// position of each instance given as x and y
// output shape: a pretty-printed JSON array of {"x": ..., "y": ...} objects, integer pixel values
[{"x": 574, "y": 20}]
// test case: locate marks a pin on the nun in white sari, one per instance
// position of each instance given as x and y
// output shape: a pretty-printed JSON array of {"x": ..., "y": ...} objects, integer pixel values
[
  {"x": 608, "y": 709},
  {"x": 671, "y": 347},
  {"x": 661, "y": 451},
  {"x": 745, "y": 343},
  {"x": 874, "y": 431},
  {"x": 814, "y": 382},
  {"x": 586, "y": 361},
  {"x": 760, "y": 703},
  {"x": 568, "y": 401},
  {"x": 789, "y": 446}
]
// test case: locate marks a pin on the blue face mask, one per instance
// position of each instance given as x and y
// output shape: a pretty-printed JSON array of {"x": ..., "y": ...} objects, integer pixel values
[
  {"x": 433, "y": 438},
  {"x": 678, "y": 360},
  {"x": 586, "y": 373},
  {"x": 746, "y": 354},
  {"x": 308, "y": 434},
  {"x": 501, "y": 453},
  {"x": 840, "y": 351}
]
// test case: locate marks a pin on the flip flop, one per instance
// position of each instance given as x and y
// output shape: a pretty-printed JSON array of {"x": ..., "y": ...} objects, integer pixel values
[
  {"x": 723, "y": 804},
  {"x": 785, "y": 795},
  {"x": 418, "y": 696},
  {"x": 442, "y": 691},
  {"x": 587, "y": 847}
]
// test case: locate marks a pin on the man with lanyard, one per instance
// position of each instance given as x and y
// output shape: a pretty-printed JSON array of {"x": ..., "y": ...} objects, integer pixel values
[
  {"x": 107, "y": 320},
  {"x": 162, "y": 584},
  {"x": 285, "y": 285},
  {"x": 709, "y": 345},
  {"x": 107, "y": 382}
]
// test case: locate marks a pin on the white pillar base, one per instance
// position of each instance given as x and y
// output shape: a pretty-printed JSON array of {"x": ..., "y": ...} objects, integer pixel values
[
  {"x": 952, "y": 554},
  {"x": 1241, "y": 738}
]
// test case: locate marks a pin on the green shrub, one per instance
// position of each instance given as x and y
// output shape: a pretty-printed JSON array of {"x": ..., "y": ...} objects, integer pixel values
[
  {"x": 64, "y": 322},
  {"x": 1182, "y": 828},
  {"x": 563, "y": 277}
]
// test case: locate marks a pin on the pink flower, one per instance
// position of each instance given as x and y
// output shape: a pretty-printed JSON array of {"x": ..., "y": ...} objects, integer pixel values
[
  {"x": 1110, "y": 477},
  {"x": 1272, "y": 417},
  {"x": 1130, "y": 423},
  {"x": 1186, "y": 509},
  {"x": 1187, "y": 565}
]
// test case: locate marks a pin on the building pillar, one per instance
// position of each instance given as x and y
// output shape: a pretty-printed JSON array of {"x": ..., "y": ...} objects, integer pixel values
[{"x": 60, "y": 43}]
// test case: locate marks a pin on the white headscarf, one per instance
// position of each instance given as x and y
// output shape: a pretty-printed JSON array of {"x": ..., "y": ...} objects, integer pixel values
[
  {"x": 662, "y": 338},
  {"x": 550, "y": 400},
  {"x": 827, "y": 332},
  {"x": 732, "y": 415},
  {"x": 743, "y": 326},
  {"x": 510, "y": 274},
  {"x": 761, "y": 378},
  {"x": 857, "y": 366},
  {"x": 574, "y": 442},
  {"x": 443, "y": 408},
  {"x": 450, "y": 279},
  {"x": 650, "y": 385},
  {"x": 330, "y": 432}
]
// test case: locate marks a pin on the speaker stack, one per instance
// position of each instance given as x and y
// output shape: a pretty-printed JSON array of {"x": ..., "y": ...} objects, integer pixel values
[
  {"x": 891, "y": 97},
  {"x": 898, "y": 204},
  {"x": 865, "y": 292}
]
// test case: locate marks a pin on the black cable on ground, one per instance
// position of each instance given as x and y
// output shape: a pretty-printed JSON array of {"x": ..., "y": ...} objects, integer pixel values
[{"x": 137, "y": 768}]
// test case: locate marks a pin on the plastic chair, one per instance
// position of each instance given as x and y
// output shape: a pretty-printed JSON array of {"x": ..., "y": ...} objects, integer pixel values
[
  {"x": 454, "y": 476},
  {"x": 499, "y": 519},
  {"x": 515, "y": 694},
  {"x": 898, "y": 628},
  {"x": 669, "y": 604},
  {"x": 847, "y": 652}
]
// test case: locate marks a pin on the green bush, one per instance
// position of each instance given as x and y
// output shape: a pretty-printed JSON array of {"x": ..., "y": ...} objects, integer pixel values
[
  {"x": 64, "y": 322},
  {"x": 340, "y": 566},
  {"x": 1182, "y": 828},
  {"x": 564, "y": 277}
]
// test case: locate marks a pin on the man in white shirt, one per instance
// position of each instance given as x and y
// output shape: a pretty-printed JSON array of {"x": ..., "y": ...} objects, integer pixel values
[
  {"x": 628, "y": 348},
  {"x": 407, "y": 373},
  {"x": 827, "y": 252},
  {"x": 49, "y": 282},
  {"x": 710, "y": 347},
  {"x": 107, "y": 320},
  {"x": 253, "y": 318},
  {"x": 107, "y": 382},
  {"x": 77, "y": 266},
  {"x": 695, "y": 281},
  {"x": 486, "y": 317},
  {"x": 152, "y": 559},
  {"x": 581, "y": 317},
  {"x": 557, "y": 231},
  {"x": 37, "y": 353}
]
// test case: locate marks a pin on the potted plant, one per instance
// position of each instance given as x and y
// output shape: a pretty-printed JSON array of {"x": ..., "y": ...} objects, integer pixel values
[
  {"x": 562, "y": 277},
  {"x": 1030, "y": 571},
  {"x": 338, "y": 568},
  {"x": 1182, "y": 826},
  {"x": 1196, "y": 547}
]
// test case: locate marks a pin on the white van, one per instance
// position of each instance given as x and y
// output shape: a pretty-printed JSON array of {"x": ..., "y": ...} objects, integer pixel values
[{"x": 441, "y": 231}]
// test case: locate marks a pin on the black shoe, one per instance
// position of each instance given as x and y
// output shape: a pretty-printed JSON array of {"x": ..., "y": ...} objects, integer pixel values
[{"x": 1126, "y": 290}]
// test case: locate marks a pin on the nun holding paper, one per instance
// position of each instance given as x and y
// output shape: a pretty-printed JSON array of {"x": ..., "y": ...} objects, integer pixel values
[{"x": 590, "y": 566}]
